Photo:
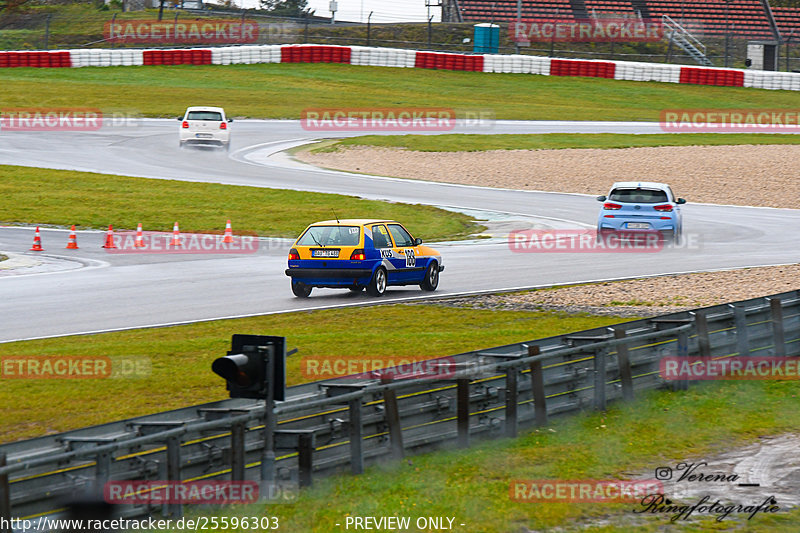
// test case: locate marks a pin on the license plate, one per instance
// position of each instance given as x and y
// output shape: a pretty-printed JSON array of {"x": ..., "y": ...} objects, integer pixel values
[
  {"x": 203, "y": 135},
  {"x": 637, "y": 225},
  {"x": 324, "y": 253}
]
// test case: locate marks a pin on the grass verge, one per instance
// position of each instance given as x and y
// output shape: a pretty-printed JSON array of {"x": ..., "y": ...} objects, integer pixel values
[
  {"x": 660, "y": 428},
  {"x": 62, "y": 197},
  {"x": 284, "y": 90},
  {"x": 36, "y": 407},
  {"x": 552, "y": 141}
]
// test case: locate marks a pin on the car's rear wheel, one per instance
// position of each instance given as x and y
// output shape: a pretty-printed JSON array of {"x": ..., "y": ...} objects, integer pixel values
[
  {"x": 377, "y": 285},
  {"x": 431, "y": 279},
  {"x": 301, "y": 290}
]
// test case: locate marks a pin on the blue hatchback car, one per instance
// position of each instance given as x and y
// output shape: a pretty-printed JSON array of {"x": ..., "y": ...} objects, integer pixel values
[
  {"x": 361, "y": 253},
  {"x": 641, "y": 206}
]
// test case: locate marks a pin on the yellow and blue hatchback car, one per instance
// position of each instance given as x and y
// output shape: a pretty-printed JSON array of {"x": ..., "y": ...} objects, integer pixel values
[{"x": 361, "y": 253}]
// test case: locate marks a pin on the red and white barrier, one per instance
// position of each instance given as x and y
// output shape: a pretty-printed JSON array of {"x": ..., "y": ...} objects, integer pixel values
[{"x": 402, "y": 58}]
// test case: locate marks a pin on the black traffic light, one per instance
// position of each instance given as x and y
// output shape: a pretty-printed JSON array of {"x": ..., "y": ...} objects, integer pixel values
[{"x": 255, "y": 364}]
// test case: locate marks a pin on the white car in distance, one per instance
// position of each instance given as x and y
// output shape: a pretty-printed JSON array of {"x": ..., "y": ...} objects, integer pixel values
[{"x": 205, "y": 126}]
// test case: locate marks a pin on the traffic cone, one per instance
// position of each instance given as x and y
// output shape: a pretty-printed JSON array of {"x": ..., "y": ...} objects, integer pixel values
[
  {"x": 228, "y": 232},
  {"x": 72, "y": 244},
  {"x": 37, "y": 242},
  {"x": 139, "y": 241},
  {"x": 176, "y": 236},
  {"x": 110, "y": 238}
]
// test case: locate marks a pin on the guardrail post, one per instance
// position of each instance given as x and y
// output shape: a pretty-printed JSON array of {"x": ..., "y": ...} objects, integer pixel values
[
  {"x": 600, "y": 379},
  {"x": 776, "y": 309},
  {"x": 268, "y": 453},
  {"x": 237, "y": 451},
  {"x": 356, "y": 438},
  {"x": 682, "y": 346},
  {"x": 511, "y": 402},
  {"x": 175, "y": 509},
  {"x": 462, "y": 388},
  {"x": 624, "y": 364},
  {"x": 5, "y": 498},
  {"x": 392, "y": 412},
  {"x": 703, "y": 341},
  {"x": 305, "y": 458},
  {"x": 537, "y": 386},
  {"x": 740, "y": 320},
  {"x": 102, "y": 473}
]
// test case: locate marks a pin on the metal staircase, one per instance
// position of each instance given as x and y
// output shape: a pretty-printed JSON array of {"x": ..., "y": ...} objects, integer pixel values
[{"x": 677, "y": 34}]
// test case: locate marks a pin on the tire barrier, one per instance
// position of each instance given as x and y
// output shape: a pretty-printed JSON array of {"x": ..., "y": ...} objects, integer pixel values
[{"x": 402, "y": 58}]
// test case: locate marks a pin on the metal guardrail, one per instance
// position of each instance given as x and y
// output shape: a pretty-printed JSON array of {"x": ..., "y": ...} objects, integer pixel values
[{"x": 339, "y": 424}]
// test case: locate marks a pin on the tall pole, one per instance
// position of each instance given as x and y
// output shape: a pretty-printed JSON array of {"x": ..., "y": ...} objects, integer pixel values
[
  {"x": 519, "y": 20},
  {"x": 368, "y": 26}
]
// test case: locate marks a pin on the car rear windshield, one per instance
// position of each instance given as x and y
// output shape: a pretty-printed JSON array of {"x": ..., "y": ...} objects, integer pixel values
[
  {"x": 638, "y": 196},
  {"x": 204, "y": 115},
  {"x": 330, "y": 236}
]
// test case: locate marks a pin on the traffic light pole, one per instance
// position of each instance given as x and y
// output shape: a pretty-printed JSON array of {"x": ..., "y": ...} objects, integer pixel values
[{"x": 268, "y": 453}]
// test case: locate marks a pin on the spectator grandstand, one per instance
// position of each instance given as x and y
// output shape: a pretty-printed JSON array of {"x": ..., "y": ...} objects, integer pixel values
[{"x": 746, "y": 19}]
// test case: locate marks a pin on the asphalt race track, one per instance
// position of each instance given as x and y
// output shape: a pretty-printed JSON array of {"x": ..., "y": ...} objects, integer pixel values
[{"x": 89, "y": 289}]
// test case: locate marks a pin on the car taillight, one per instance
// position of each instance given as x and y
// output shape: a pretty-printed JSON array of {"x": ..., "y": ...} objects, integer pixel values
[
  {"x": 223, "y": 126},
  {"x": 185, "y": 124},
  {"x": 358, "y": 255},
  {"x": 611, "y": 207},
  {"x": 665, "y": 208},
  {"x": 293, "y": 254}
]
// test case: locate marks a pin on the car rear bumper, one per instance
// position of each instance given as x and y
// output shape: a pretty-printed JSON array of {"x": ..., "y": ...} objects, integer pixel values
[{"x": 328, "y": 273}]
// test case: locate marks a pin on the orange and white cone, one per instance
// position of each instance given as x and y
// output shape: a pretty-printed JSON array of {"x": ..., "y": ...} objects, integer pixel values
[
  {"x": 72, "y": 244},
  {"x": 37, "y": 242},
  {"x": 176, "y": 236},
  {"x": 228, "y": 232},
  {"x": 110, "y": 238},
  {"x": 139, "y": 241}
]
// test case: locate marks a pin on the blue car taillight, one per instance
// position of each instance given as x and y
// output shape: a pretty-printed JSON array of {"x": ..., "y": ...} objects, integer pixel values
[
  {"x": 293, "y": 254},
  {"x": 665, "y": 208},
  {"x": 358, "y": 255}
]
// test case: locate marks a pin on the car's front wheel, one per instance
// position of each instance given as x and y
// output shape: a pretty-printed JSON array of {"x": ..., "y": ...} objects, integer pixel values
[
  {"x": 377, "y": 285},
  {"x": 301, "y": 290},
  {"x": 431, "y": 279}
]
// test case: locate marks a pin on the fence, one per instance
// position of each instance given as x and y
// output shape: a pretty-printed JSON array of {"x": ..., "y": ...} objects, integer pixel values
[
  {"x": 339, "y": 424},
  {"x": 86, "y": 29}
]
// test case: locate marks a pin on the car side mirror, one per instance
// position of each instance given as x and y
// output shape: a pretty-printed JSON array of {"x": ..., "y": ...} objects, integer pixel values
[
  {"x": 179, "y": 119},
  {"x": 230, "y": 120},
  {"x": 601, "y": 198},
  {"x": 417, "y": 241},
  {"x": 680, "y": 201}
]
